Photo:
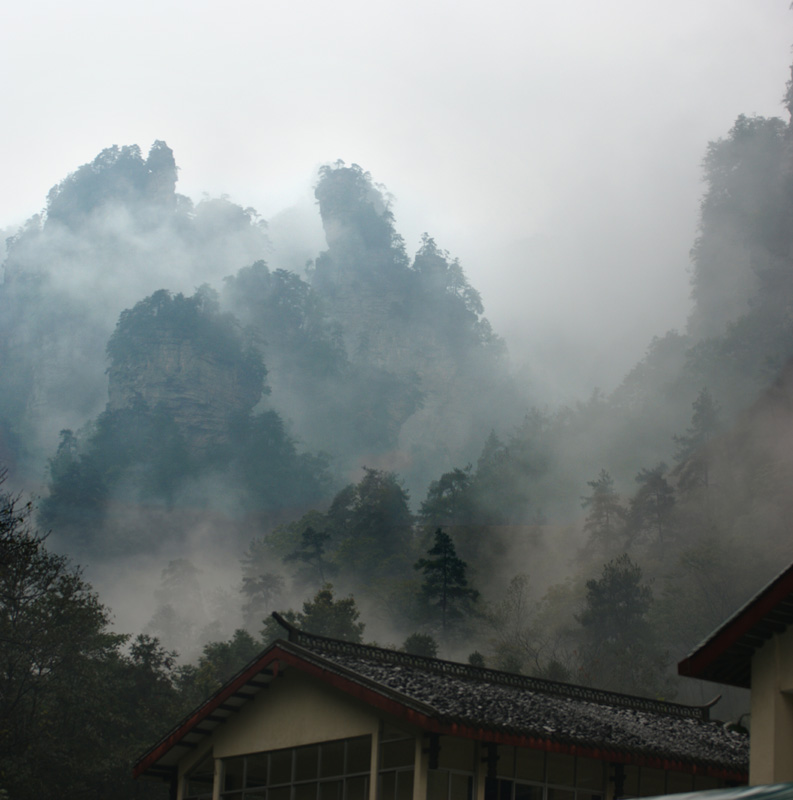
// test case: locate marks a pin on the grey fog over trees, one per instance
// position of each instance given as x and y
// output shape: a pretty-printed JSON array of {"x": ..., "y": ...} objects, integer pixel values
[{"x": 345, "y": 444}]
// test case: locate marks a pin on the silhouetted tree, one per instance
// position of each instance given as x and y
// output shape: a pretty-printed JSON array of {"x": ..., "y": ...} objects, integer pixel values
[
  {"x": 421, "y": 644},
  {"x": 217, "y": 663},
  {"x": 449, "y": 499},
  {"x": 59, "y": 664},
  {"x": 605, "y": 519},
  {"x": 692, "y": 456},
  {"x": 378, "y": 538},
  {"x": 651, "y": 511},
  {"x": 311, "y": 553},
  {"x": 445, "y": 587},
  {"x": 618, "y": 649},
  {"x": 323, "y": 615}
]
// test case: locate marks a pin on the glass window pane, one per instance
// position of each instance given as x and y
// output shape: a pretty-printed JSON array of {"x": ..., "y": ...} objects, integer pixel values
[
  {"x": 387, "y": 786},
  {"x": 397, "y": 754},
  {"x": 359, "y": 754},
  {"x": 404, "y": 785},
  {"x": 461, "y": 787},
  {"x": 590, "y": 774},
  {"x": 255, "y": 795},
  {"x": 306, "y": 763},
  {"x": 281, "y": 793},
  {"x": 678, "y": 782},
  {"x": 505, "y": 763},
  {"x": 233, "y": 796},
  {"x": 652, "y": 782},
  {"x": 560, "y": 794},
  {"x": 356, "y": 789},
  {"x": 201, "y": 778},
  {"x": 280, "y": 767},
  {"x": 256, "y": 770},
  {"x": 561, "y": 769},
  {"x": 631, "y": 785},
  {"x": 525, "y": 791},
  {"x": 306, "y": 791},
  {"x": 704, "y": 782},
  {"x": 330, "y": 790},
  {"x": 332, "y": 759},
  {"x": 529, "y": 764},
  {"x": 390, "y": 732},
  {"x": 232, "y": 773},
  {"x": 198, "y": 788},
  {"x": 437, "y": 785},
  {"x": 456, "y": 754}
]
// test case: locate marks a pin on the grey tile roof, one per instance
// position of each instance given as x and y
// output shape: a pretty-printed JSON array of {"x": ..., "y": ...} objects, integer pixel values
[{"x": 530, "y": 707}]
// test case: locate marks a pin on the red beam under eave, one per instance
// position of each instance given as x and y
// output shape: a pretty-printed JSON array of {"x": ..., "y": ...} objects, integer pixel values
[
  {"x": 394, "y": 707},
  {"x": 733, "y": 630},
  {"x": 390, "y": 705},
  {"x": 205, "y": 710}
]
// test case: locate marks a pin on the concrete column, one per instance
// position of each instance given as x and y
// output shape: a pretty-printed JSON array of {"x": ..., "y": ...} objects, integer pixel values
[
  {"x": 480, "y": 772},
  {"x": 217, "y": 779},
  {"x": 420, "y": 769},
  {"x": 771, "y": 748},
  {"x": 374, "y": 763}
]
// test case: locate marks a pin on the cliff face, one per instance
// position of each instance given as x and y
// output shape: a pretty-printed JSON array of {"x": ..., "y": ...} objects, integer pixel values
[{"x": 199, "y": 389}]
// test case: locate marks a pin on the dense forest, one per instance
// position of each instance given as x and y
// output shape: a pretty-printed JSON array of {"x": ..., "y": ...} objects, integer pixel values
[{"x": 347, "y": 445}]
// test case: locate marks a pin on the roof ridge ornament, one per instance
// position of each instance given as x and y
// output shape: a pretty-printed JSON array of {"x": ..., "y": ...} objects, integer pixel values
[{"x": 293, "y": 632}]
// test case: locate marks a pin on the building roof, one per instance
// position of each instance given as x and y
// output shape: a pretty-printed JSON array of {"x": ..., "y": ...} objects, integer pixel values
[
  {"x": 767, "y": 791},
  {"x": 725, "y": 656},
  {"x": 487, "y": 705}
]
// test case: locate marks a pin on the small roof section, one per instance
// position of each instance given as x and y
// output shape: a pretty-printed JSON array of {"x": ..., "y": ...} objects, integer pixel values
[
  {"x": 726, "y": 655},
  {"x": 768, "y": 791},
  {"x": 487, "y": 705}
]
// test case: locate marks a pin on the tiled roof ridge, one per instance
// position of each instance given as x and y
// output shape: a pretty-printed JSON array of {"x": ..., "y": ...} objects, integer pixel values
[{"x": 317, "y": 643}]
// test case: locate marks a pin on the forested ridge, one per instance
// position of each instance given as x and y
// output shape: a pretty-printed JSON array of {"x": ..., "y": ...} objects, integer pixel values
[{"x": 351, "y": 438}]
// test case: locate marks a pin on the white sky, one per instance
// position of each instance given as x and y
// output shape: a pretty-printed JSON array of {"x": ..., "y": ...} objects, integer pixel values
[{"x": 553, "y": 146}]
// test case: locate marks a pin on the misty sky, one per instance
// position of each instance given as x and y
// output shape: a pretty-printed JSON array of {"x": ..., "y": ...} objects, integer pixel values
[{"x": 553, "y": 146}]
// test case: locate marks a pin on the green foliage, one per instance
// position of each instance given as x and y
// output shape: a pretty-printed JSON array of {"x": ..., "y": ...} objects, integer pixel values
[
  {"x": 651, "y": 514},
  {"x": 421, "y": 644},
  {"x": 163, "y": 317},
  {"x": 444, "y": 275},
  {"x": 65, "y": 682},
  {"x": 706, "y": 582},
  {"x": 261, "y": 588},
  {"x": 692, "y": 454},
  {"x": 311, "y": 553},
  {"x": 129, "y": 447},
  {"x": 290, "y": 322},
  {"x": 376, "y": 537},
  {"x": 118, "y": 175},
  {"x": 476, "y": 659},
  {"x": 137, "y": 452},
  {"x": 705, "y": 423},
  {"x": 362, "y": 211},
  {"x": 444, "y": 588},
  {"x": 265, "y": 460},
  {"x": 449, "y": 500},
  {"x": 618, "y": 647},
  {"x": 514, "y": 636},
  {"x": 323, "y": 615},
  {"x": 219, "y": 661},
  {"x": 179, "y": 616},
  {"x": 606, "y": 518}
]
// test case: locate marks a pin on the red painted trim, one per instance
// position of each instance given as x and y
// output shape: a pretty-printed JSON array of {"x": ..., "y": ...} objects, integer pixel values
[
  {"x": 378, "y": 700},
  {"x": 742, "y": 623},
  {"x": 205, "y": 710}
]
